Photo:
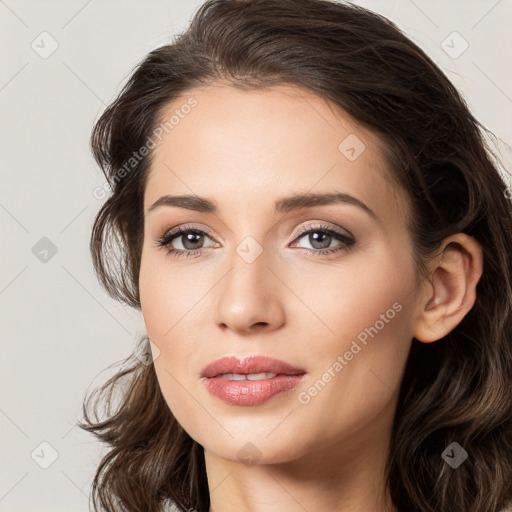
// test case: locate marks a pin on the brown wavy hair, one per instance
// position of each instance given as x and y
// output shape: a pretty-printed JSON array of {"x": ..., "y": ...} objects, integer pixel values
[{"x": 457, "y": 389}]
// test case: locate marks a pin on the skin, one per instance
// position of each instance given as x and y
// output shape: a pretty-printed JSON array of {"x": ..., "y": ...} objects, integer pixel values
[{"x": 244, "y": 150}]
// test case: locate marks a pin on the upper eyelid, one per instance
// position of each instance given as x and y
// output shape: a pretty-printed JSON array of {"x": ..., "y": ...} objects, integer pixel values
[
  {"x": 180, "y": 230},
  {"x": 323, "y": 227}
]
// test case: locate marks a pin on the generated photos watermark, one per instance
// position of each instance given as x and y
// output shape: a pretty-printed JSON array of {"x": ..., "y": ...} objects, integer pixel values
[
  {"x": 151, "y": 142},
  {"x": 344, "y": 359}
]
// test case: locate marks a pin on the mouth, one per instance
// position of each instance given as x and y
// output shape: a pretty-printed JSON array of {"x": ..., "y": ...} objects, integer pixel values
[{"x": 250, "y": 381}]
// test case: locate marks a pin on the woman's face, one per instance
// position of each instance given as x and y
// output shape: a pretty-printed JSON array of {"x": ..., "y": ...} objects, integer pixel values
[{"x": 259, "y": 280}]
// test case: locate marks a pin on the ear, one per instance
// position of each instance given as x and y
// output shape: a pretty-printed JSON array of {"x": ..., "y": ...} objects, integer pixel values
[{"x": 451, "y": 292}]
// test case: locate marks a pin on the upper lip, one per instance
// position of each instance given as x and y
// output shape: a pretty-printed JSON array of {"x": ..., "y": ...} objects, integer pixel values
[{"x": 248, "y": 365}]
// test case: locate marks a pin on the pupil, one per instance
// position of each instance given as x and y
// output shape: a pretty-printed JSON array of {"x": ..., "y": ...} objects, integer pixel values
[
  {"x": 313, "y": 239},
  {"x": 189, "y": 238}
]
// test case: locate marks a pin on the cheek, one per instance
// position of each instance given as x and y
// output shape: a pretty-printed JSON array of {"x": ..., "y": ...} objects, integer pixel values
[
  {"x": 168, "y": 294},
  {"x": 358, "y": 369},
  {"x": 342, "y": 300},
  {"x": 173, "y": 303},
  {"x": 164, "y": 307},
  {"x": 153, "y": 301},
  {"x": 365, "y": 300}
]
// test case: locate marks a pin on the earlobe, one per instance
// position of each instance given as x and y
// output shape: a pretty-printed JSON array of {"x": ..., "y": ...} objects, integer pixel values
[{"x": 452, "y": 290}]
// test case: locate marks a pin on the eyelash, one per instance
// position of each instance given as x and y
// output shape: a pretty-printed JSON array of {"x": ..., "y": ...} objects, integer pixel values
[{"x": 347, "y": 241}]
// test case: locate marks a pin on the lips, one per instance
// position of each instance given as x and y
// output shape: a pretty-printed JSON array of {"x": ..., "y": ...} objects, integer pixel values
[
  {"x": 265, "y": 378},
  {"x": 249, "y": 365}
]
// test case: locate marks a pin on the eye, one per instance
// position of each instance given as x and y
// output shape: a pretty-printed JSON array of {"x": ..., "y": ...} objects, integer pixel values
[
  {"x": 190, "y": 238},
  {"x": 320, "y": 238}
]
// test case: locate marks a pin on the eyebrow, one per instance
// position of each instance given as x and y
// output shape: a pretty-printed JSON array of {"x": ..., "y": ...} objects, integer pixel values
[{"x": 282, "y": 205}]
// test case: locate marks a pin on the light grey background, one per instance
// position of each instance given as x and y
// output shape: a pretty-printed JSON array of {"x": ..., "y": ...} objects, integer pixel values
[{"x": 59, "y": 330}]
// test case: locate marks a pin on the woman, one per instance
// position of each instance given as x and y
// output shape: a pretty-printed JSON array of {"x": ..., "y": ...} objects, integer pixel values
[{"x": 307, "y": 216}]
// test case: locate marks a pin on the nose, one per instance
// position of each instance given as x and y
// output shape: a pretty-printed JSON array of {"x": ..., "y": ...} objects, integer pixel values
[{"x": 249, "y": 297}]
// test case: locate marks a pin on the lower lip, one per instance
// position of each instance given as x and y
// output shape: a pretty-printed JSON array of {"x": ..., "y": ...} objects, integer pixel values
[{"x": 251, "y": 392}]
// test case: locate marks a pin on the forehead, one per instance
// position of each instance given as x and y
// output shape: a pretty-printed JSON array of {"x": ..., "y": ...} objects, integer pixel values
[{"x": 243, "y": 147}]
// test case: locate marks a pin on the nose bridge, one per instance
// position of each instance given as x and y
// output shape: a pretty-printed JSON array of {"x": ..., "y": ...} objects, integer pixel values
[{"x": 249, "y": 292}]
